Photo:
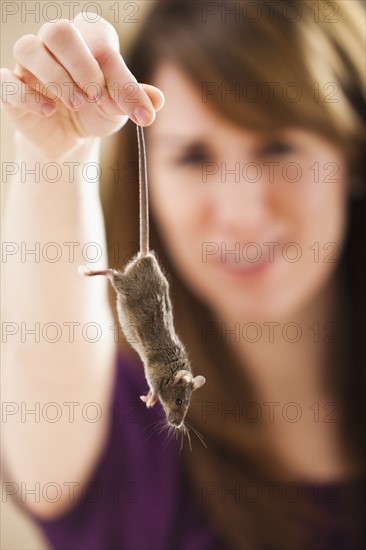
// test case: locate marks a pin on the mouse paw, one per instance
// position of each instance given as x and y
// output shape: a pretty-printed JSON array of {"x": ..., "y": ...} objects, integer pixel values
[{"x": 150, "y": 399}]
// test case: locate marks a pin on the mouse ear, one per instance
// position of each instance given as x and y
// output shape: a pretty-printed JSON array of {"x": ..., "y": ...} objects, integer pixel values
[
  {"x": 182, "y": 378},
  {"x": 198, "y": 382}
]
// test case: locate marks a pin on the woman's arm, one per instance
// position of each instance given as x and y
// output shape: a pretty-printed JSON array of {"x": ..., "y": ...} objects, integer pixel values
[
  {"x": 59, "y": 350},
  {"x": 51, "y": 315}
]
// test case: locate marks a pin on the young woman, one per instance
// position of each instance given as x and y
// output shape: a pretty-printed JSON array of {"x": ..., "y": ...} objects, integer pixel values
[{"x": 256, "y": 183}]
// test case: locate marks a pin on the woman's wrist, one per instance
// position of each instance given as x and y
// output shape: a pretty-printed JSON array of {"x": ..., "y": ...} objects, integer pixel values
[{"x": 26, "y": 150}]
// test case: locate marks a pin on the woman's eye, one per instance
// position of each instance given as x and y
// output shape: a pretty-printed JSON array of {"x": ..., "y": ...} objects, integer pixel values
[
  {"x": 278, "y": 148},
  {"x": 193, "y": 157},
  {"x": 178, "y": 402}
]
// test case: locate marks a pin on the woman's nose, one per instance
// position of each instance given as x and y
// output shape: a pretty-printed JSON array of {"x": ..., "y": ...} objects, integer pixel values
[{"x": 241, "y": 203}]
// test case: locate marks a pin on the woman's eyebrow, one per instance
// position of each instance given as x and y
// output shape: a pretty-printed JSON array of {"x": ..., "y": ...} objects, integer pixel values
[
  {"x": 204, "y": 140},
  {"x": 176, "y": 140}
]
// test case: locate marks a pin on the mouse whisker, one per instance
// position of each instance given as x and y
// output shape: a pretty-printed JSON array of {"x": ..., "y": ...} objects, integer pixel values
[
  {"x": 163, "y": 428},
  {"x": 198, "y": 434},
  {"x": 156, "y": 423},
  {"x": 168, "y": 437},
  {"x": 186, "y": 431},
  {"x": 181, "y": 441},
  {"x": 159, "y": 428}
]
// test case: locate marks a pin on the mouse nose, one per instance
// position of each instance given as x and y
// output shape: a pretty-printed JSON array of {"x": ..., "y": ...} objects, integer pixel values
[{"x": 174, "y": 418}]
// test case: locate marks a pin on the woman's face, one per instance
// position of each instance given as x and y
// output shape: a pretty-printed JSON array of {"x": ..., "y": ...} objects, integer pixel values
[{"x": 254, "y": 223}]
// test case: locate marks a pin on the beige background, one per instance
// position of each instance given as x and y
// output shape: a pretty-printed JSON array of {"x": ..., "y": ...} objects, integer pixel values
[{"x": 17, "y": 532}]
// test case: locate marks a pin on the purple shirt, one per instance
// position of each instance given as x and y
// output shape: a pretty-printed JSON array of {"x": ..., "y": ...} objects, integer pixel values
[{"x": 138, "y": 497}]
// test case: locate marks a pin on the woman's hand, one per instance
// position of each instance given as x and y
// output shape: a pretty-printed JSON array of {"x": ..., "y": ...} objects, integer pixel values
[{"x": 71, "y": 83}]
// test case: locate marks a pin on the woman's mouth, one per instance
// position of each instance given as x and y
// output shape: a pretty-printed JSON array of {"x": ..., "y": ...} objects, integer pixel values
[
  {"x": 249, "y": 267},
  {"x": 244, "y": 269}
]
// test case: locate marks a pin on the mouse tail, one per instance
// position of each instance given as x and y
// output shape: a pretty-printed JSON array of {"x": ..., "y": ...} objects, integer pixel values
[{"x": 144, "y": 197}]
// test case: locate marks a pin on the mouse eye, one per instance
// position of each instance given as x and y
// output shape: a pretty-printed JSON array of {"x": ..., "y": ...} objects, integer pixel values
[{"x": 178, "y": 402}]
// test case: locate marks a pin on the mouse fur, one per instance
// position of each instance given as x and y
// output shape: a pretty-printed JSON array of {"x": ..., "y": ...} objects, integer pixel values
[{"x": 143, "y": 305}]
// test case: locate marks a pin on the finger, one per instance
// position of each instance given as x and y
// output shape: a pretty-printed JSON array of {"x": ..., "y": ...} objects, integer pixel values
[
  {"x": 102, "y": 40},
  {"x": 17, "y": 96},
  {"x": 33, "y": 83},
  {"x": 67, "y": 45},
  {"x": 125, "y": 90},
  {"x": 31, "y": 54},
  {"x": 156, "y": 96}
]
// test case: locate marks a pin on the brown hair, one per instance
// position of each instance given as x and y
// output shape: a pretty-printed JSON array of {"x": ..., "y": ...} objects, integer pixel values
[{"x": 321, "y": 54}]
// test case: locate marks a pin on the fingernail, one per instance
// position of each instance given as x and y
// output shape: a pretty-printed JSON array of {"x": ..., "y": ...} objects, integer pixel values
[
  {"x": 48, "y": 108},
  {"x": 143, "y": 116},
  {"x": 77, "y": 99}
]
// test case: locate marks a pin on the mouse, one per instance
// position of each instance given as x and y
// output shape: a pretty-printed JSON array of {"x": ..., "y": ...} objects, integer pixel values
[{"x": 143, "y": 304}]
